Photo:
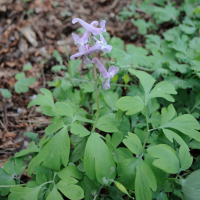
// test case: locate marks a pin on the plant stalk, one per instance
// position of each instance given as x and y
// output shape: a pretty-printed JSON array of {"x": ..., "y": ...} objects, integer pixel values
[{"x": 97, "y": 98}]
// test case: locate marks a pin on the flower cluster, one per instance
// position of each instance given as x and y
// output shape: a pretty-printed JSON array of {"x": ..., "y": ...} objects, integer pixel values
[{"x": 87, "y": 51}]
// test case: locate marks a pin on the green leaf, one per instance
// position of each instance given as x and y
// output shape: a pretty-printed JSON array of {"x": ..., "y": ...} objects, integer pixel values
[
  {"x": 133, "y": 143},
  {"x": 69, "y": 174},
  {"x": 115, "y": 193},
  {"x": 27, "y": 67},
  {"x": 107, "y": 124},
  {"x": 194, "y": 144},
  {"x": 22, "y": 84},
  {"x": 63, "y": 109},
  {"x": 6, "y": 93},
  {"x": 165, "y": 14},
  {"x": 127, "y": 171},
  {"x": 88, "y": 87},
  {"x": 70, "y": 191},
  {"x": 176, "y": 67},
  {"x": 79, "y": 129},
  {"x": 25, "y": 193},
  {"x": 73, "y": 65},
  {"x": 32, "y": 148},
  {"x": 167, "y": 158},
  {"x": 110, "y": 99},
  {"x": 97, "y": 159},
  {"x": 146, "y": 80},
  {"x": 5, "y": 179},
  {"x": 79, "y": 150},
  {"x": 54, "y": 153},
  {"x": 15, "y": 166},
  {"x": 33, "y": 136},
  {"x": 89, "y": 186},
  {"x": 132, "y": 104},
  {"x": 172, "y": 135},
  {"x": 57, "y": 56},
  {"x": 186, "y": 124},
  {"x": 82, "y": 119},
  {"x": 188, "y": 26},
  {"x": 57, "y": 68},
  {"x": 121, "y": 187},
  {"x": 117, "y": 138},
  {"x": 185, "y": 158},
  {"x": 43, "y": 100},
  {"x": 54, "y": 195},
  {"x": 135, "y": 55},
  {"x": 178, "y": 83},
  {"x": 41, "y": 178},
  {"x": 163, "y": 89},
  {"x": 20, "y": 75},
  {"x": 191, "y": 186},
  {"x": 142, "y": 26},
  {"x": 52, "y": 128},
  {"x": 159, "y": 174},
  {"x": 144, "y": 181}
]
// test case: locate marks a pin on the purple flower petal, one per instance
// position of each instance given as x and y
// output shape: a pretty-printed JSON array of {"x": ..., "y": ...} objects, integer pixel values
[
  {"x": 87, "y": 61},
  {"x": 106, "y": 84},
  {"x": 90, "y": 28},
  {"x": 101, "y": 68},
  {"x": 102, "y": 25},
  {"x": 75, "y": 37},
  {"x": 86, "y": 35},
  {"x": 104, "y": 47},
  {"x": 88, "y": 50},
  {"x": 84, "y": 39},
  {"x": 112, "y": 70},
  {"x": 102, "y": 39}
]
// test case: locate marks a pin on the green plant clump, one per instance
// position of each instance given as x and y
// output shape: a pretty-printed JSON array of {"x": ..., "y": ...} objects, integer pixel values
[{"x": 136, "y": 136}]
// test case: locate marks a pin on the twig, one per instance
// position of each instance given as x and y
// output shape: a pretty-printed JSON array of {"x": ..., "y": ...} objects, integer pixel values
[
  {"x": 139, "y": 10},
  {"x": 3, "y": 126},
  {"x": 113, "y": 5}
]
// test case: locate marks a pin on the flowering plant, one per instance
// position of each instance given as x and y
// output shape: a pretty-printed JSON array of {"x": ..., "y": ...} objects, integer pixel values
[{"x": 87, "y": 51}]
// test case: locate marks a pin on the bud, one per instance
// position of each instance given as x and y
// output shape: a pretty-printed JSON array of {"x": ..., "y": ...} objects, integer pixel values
[
  {"x": 93, "y": 193},
  {"x": 105, "y": 181},
  {"x": 112, "y": 170}
]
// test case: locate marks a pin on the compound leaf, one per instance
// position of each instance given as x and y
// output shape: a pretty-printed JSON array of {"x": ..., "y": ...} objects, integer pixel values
[
  {"x": 167, "y": 158},
  {"x": 54, "y": 153}
]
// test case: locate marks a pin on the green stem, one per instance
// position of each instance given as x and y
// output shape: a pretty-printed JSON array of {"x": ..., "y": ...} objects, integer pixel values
[
  {"x": 136, "y": 67},
  {"x": 145, "y": 140},
  {"x": 97, "y": 98},
  {"x": 72, "y": 143}
]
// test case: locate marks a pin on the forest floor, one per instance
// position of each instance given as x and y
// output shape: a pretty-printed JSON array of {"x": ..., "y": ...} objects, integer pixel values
[{"x": 29, "y": 32}]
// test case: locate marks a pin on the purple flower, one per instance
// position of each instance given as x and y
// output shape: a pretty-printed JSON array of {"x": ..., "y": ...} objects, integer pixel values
[
  {"x": 90, "y": 28},
  {"x": 106, "y": 74},
  {"x": 87, "y": 50},
  {"x": 84, "y": 39},
  {"x": 104, "y": 47},
  {"x": 99, "y": 45}
]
